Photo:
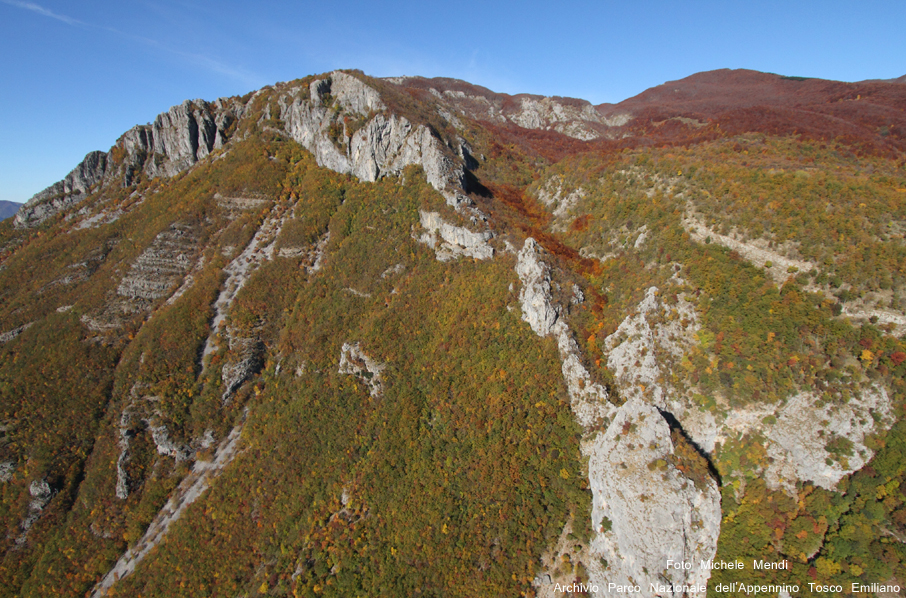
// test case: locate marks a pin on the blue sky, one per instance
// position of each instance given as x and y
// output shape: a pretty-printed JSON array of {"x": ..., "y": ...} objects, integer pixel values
[{"x": 75, "y": 75}]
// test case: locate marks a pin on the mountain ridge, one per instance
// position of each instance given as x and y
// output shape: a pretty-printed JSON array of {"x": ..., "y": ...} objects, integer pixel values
[
  {"x": 732, "y": 98},
  {"x": 346, "y": 335}
]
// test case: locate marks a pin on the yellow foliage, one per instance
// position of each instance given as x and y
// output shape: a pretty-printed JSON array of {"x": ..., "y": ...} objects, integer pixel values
[{"x": 827, "y": 567}]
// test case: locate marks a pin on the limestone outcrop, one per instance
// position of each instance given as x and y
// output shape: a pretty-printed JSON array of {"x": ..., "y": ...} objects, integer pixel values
[
  {"x": 378, "y": 145},
  {"x": 245, "y": 359},
  {"x": 645, "y": 511},
  {"x": 41, "y": 494},
  {"x": 561, "y": 201},
  {"x": 450, "y": 242},
  {"x": 801, "y": 434},
  {"x": 244, "y": 348},
  {"x": 588, "y": 399},
  {"x": 642, "y": 515},
  {"x": 159, "y": 271},
  {"x": 59, "y": 196},
  {"x": 548, "y": 113},
  {"x": 174, "y": 142},
  {"x": 646, "y": 347},
  {"x": 181, "y": 136},
  {"x": 384, "y": 145},
  {"x": 354, "y": 361},
  {"x": 778, "y": 265},
  {"x": 188, "y": 491},
  {"x": 803, "y": 442},
  {"x": 141, "y": 416},
  {"x": 161, "y": 266},
  {"x": 9, "y": 335},
  {"x": 781, "y": 261},
  {"x": 312, "y": 255},
  {"x": 535, "y": 294},
  {"x": 575, "y": 118}
]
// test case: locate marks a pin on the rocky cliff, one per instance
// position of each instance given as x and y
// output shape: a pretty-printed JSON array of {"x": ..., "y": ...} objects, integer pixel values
[
  {"x": 175, "y": 141},
  {"x": 353, "y": 336},
  {"x": 575, "y": 118},
  {"x": 645, "y": 510},
  {"x": 315, "y": 116}
]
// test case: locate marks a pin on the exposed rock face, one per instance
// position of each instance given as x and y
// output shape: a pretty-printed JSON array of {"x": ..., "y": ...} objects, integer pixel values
[
  {"x": 233, "y": 204},
  {"x": 639, "y": 347},
  {"x": 643, "y": 236},
  {"x": 390, "y": 144},
  {"x": 188, "y": 491},
  {"x": 806, "y": 438},
  {"x": 175, "y": 141},
  {"x": 165, "y": 445},
  {"x": 238, "y": 271},
  {"x": 548, "y": 113},
  {"x": 384, "y": 145},
  {"x": 535, "y": 294},
  {"x": 393, "y": 270},
  {"x": 156, "y": 273},
  {"x": 588, "y": 399},
  {"x": 245, "y": 360},
  {"x": 7, "y": 468},
  {"x": 354, "y": 361},
  {"x": 40, "y": 492},
  {"x": 350, "y": 92},
  {"x": 179, "y": 138},
  {"x": 141, "y": 416},
  {"x": 572, "y": 117},
  {"x": 807, "y": 426},
  {"x": 59, "y": 196},
  {"x": 312, "y": 256},
  {"x": 450, "y": 242},
  {"x": 15, "y": 332},
  {"x": 122, "y": 476},
  {"x": 561, "y": 201},
  {"x": 649, "y": 344},
  {"x": 779, "y": 266},
  {"x": 783, "y": 262},
  {"x": 654, "y": 512},
  {"x": 41, "y": 495},
  {"x": 161, "y": 266},
  {"x": 245, "y": 349}
]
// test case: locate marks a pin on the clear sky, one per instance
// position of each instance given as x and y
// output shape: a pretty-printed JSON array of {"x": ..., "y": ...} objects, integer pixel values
[{"x": 75, "y": 75}]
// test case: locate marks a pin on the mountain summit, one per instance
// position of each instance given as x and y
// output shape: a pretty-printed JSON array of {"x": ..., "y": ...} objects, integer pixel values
[{"x": 408, "y": 336}]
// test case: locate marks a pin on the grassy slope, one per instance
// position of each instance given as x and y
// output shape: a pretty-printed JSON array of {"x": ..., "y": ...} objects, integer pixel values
[
  {"x": 460, "y": 475},
  {"x": 760, "y": 343}
]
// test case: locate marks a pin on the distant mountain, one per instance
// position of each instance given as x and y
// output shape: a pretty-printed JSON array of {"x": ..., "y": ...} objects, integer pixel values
[
  {"x": 8, "y": 209},
  {"x": 868, "y": 114},
  {"x": 348, "y": 336},
  {"x": 703, "y": 106}
]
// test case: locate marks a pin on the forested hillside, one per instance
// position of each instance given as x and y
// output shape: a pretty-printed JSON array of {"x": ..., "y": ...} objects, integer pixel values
[{"x": 352, "y": 336}]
